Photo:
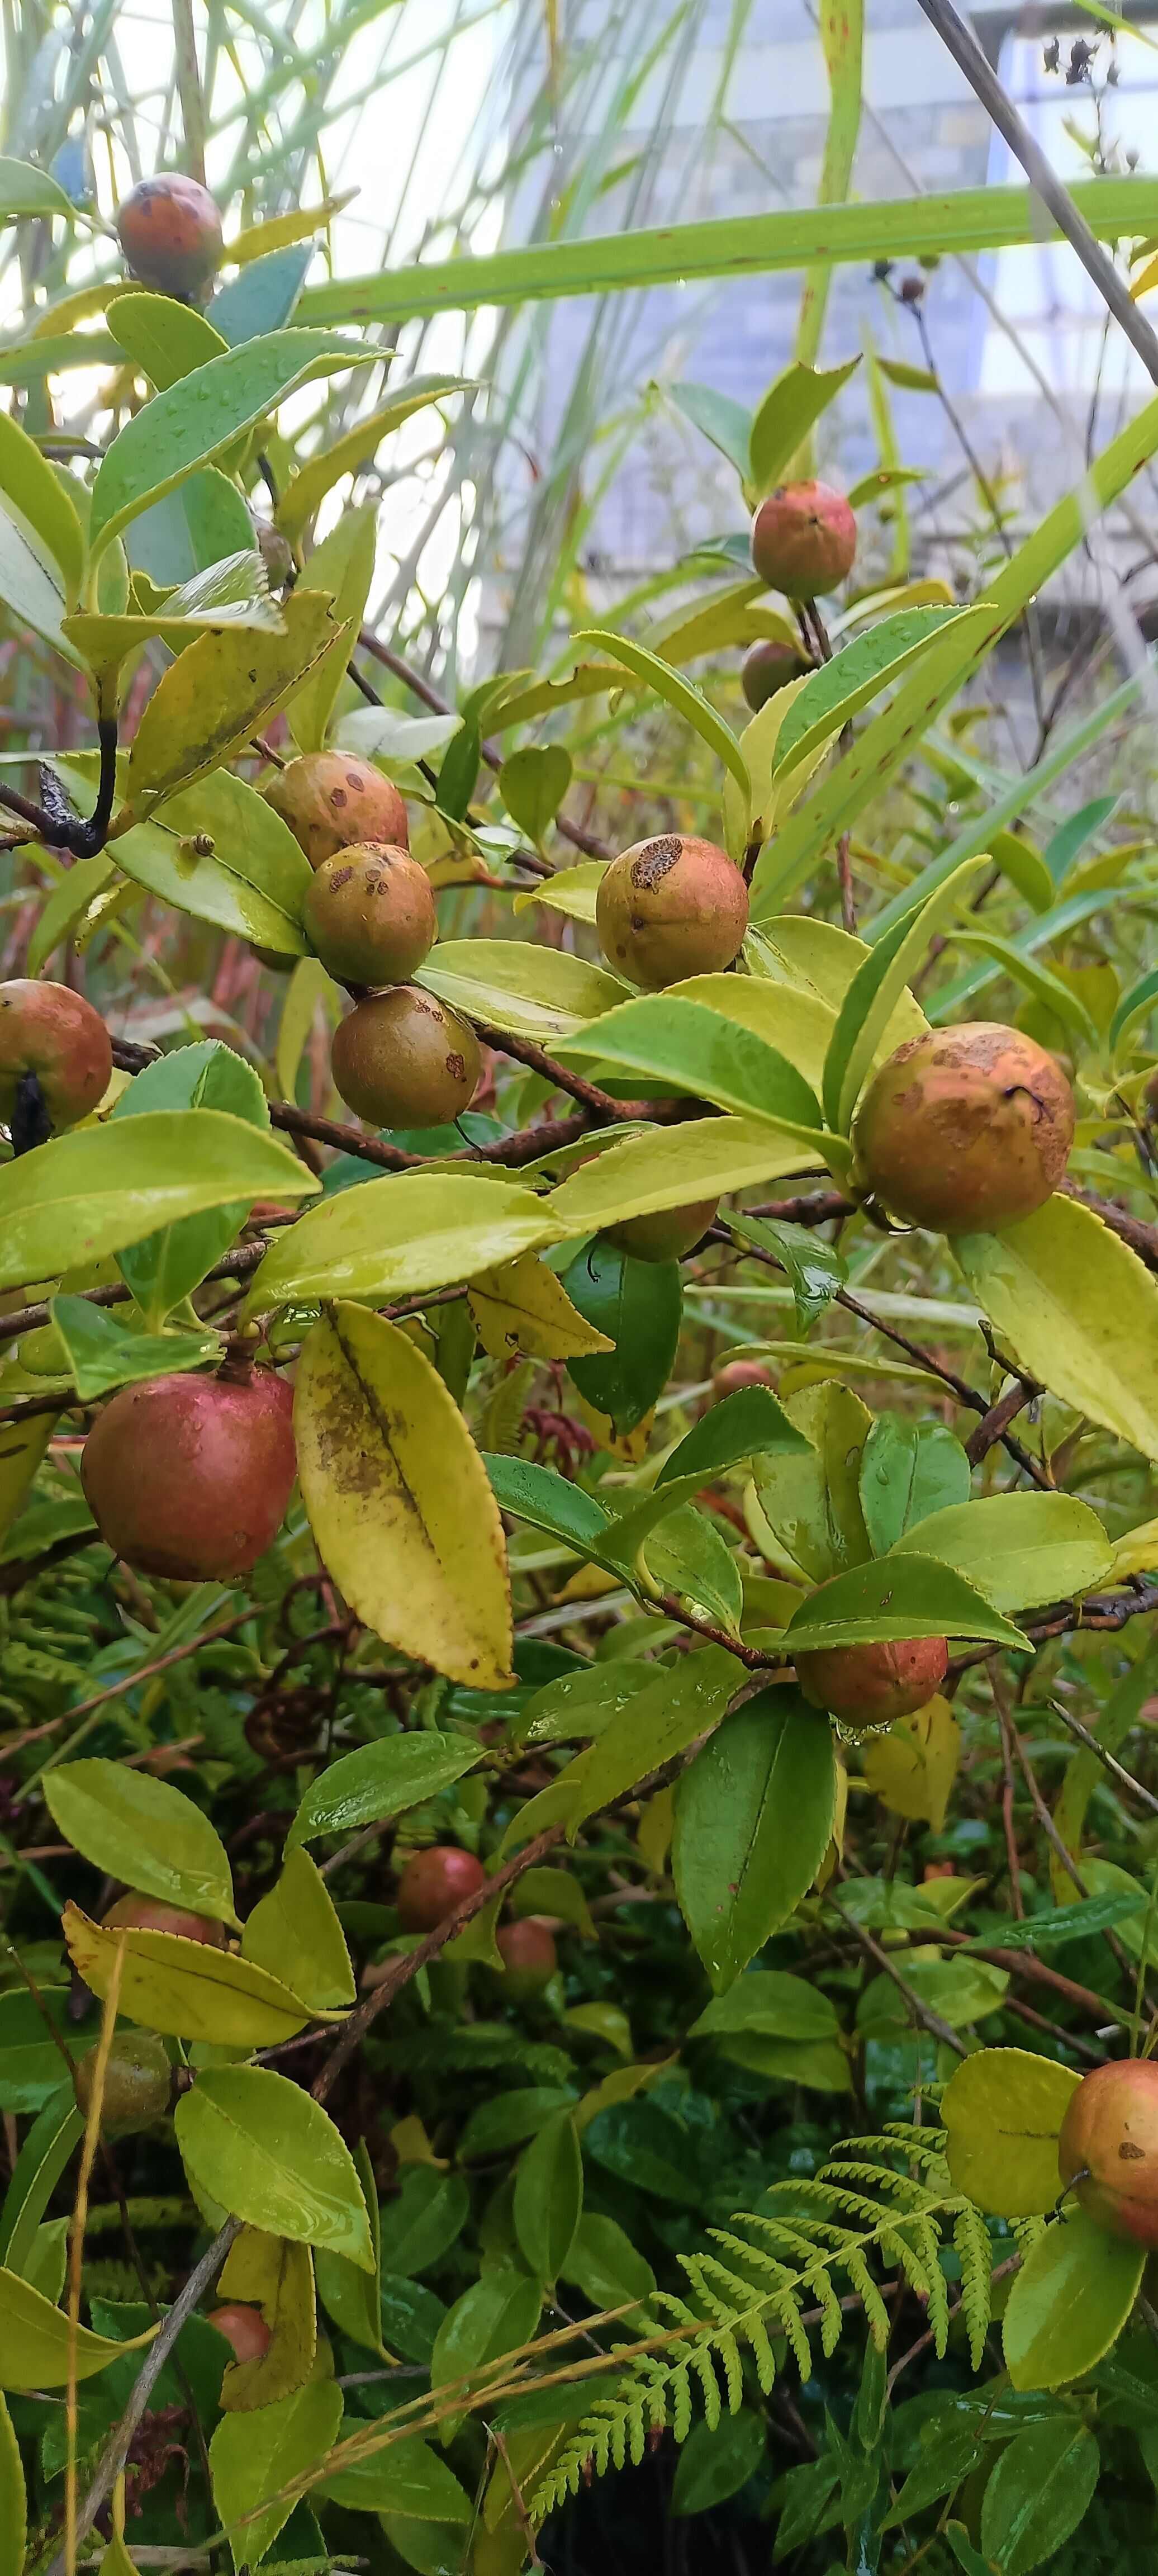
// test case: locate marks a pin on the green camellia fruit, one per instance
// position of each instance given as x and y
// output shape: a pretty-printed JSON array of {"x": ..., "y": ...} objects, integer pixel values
[
  {"x": 671, "y": 907},
  {"x": 433, "y": 1883},
  {"x": 768, "y": 668},
  {"x": 804, "y": 539},
  {"x": 370, "y": 914},
  {"x": 964, "y": 1129},
  {"x": 867, "y": 1686},
  {"x": 170, "y": 232},
  {"x": 189, "y": 1477},
  {"x": 333, "y": 801},
  {"x": 55, "y": 1035},
  {"x": 1108, "y": 2148},
  {"x": 666, "y": 1234},
  {"x": 404, "y": 1059},
  {"x": 138, "y": 2082}
]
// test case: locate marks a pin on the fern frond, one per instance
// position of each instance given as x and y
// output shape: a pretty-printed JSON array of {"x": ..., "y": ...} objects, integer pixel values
[{"x": 971, "y": 2238}]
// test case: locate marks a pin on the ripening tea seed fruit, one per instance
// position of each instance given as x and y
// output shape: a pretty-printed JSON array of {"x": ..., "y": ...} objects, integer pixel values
[
  {"x": 370, "y": 914},
  {"x": 965, "y": 1129},
  {"x": 804, "y": 539},
  {"x": 170, "y": 232},
  {"x": 189, "y": 1477},
  {"x": 1108, "y": 2148},
  {"x": 433, "y": 1883},
  {"x": 331, "y": 800},
  {"x": 48, "y": 1031},
  {"x": 671, "y": 907},
  {"x": 666, "y": 1234},
  {"x": 529, "y": 1957},
  {"x": 245, "y": 2328},
  {"x": 871, "y": 1685},
  {"x": 733, "y": 1376},
  {"x": 768, "y": 667},
  {"x": 404, "y": 1059},
  {"x": 137, "y": 2085},
  {"x": 148, "y": 1914}
]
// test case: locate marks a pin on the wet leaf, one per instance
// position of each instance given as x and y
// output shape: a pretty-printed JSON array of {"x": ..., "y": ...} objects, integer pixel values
[
  {"x": 186, "y": 1989},
  {"x": 262, "y": 2149},
  {"x": 143, "y": 1831}
]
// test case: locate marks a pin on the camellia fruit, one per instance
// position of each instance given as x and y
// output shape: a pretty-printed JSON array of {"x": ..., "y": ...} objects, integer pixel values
[
  {"x": 433, "y": 1883},
  {"x": 134, "y": 1913},
  {"x": 244, "y": 2328},
  {"x": 370, "y": 914},
  {"x": 169, "y": 229},
  {"x": 666, "y": 1234},
  {"x": 768, "y": 667},
  {"x": 1108, "y": 2148},
  {"x": 189, "y": 1477},
  {"x": 964, "y": 1129},
  {"x": 732, "y": 1376},
  {"x": 867, "y": 1686},
  {"x": 804, "y": 539},
  {"x": 403, "y": 1059},
  {"x": 529, "y": 1957},
  {"x": 332, "y": 801},
  {"x": 671, "y": 907},
  {"x": 137, "y": 2085},
  {"x": 56, "y": 1036}
]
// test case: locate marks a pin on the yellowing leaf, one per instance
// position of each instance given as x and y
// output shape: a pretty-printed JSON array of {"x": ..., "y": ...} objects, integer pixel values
[
  {"x": 185, "y": 1988},
  {"x": 912, "y": 1770},
  {"x": 522, "y": 1306},
  {"x": 1136, "y": 1553},
  {"x": 295, "y": 1933},
  {"x": 220, "y": 691},
  {"x": 21, "y": 1451},
  {"x": 1077, "y": 1310},
  {"x": 1003, "y": 2110},
  {"x": 277, "y": 2276},
  {"x": 399, "y": 1501}
]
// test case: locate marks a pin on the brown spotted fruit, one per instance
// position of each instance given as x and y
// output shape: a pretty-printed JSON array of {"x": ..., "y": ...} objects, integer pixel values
[
  {"x": 1108, "y": 2148},
  {"x": 965, "y": 1129},
  {"x": 403, "y": 1059},
  {"x": 804, "y": 539},
  {"x": 189, "y": 1477},
  {"x": 434, "y": 1882},
  {"x": 768, "y": 668},
  {"x": 243, "y": 2327},
  {"x": 671, "y": 907},
  {"x": 666, "y": 1233},
  {"x": 370, "y": 914},
  {"x": 170, "y": 232},
  {"x": 137, "y": 2083},
  {"x": 867, "y": 1686},
  {"x": 529, "y": 1957},
  {"x": 332, "y": 801},
  {"x": 55, "y": 1035}
]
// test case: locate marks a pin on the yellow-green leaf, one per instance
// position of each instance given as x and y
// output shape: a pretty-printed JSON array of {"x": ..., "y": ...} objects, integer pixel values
[
  {"x": 358, "y": 447},
  {"x": 522, "y": 1306},
  {"x": 276, "y": 2275},
  {"x": 13, "y": 2500},
  {"x": 99, "y": 1188},
  {"x": 267, "y": 2152},
  {"x": 1020, "y": 1550},
  {"x": 34, "y": 2340},
  {"x": 669, "y": 1168},
  {"x": 1003, "y": 2110},
  {"x": 528, "y": 992},
  {"x": 187, "y": 1989},
  {"x": 399, "y": 1236},
  {"x": 1069, "y": 2302},
  {"x": 343, "y": 568},
  {"x": 295, "y": 1933},
  {"x": 1077, "y": 1310},
  {"x": 218, "y": 693},
  {"x": 143, "y": 1831},
  {"x": 253, "y": 2457}
]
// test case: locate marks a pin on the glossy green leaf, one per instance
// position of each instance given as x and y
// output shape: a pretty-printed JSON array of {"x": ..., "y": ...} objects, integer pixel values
[
  {"x": 263, "y": 295},
  {"x": 905, "y": 1596},
  {"x": 167, "y": 340},
  {"x": 30, "y": 2061},
  {"x": 43, "y": 2157},
  {"x": 221, "y": 854},
  {"x": 253, "y": 2457},
  {"x": 908, "y": 1472},
  {"x": 352, "y": 2297},
  {"x": 397, "y": 1236},
  {"x": 1077, "y": 1309},
  {"x": 856, "y": 674},
  {"x": 423, "y": 2219},
  {"x": 186, "y": 1989},
  {"x": 637, "y": 1306},
  {"x": 192, "y": 528},
  {"x": 42, "y": 499},
  {"x": 27, "y": 190},
  {"x": 35, "y": 2340},
  {"x": 790, "y": 408},
  {"x": 62, "y": 916},
  {"x": 771, "y": 2004},
  {"x": 495, "y": 2315},
  {"x": 753, "y": 1820},
  {"x": 687, "y": 1559},
  {"x": 548, "y": 2201},
  {"x": 686, "y": 1047},
  {"x": 165, "y": 1268},
  {"x": 527, "y": 992},
  {"x": 143, "y": 1831},
  {"x": 407, "y": 2478},
  {"x": 726, "y": 423},
  {"x": 751, "y": 1419},
  {"x": 1003, "y": 2110},
  {"x": 556, "y": 1505},
  {"x": 269, "y": 2154},
  {"x": 99, "y": 1188},
  {"x": 533, "y": 783},
  {"x": 1038, "y": 2493},
  {"x": 1069, "y": 2302},
  {"x": 812, "y": 1503},
  {"x": 671, "y": 1167},
  {"x": 380, "y": 1780},
  {"x": 31, "y": 584},
  {"x": 1020, "y": 1550},
  {"x": 295, "y": 1932},
  {"x": 102, "y": 1352},
  {"x": 658, "y": 1723},
  {"x": 716, "y": 2461},
  {"x": 602, "y": 2262},
  {"x": 679, "y": 694}
]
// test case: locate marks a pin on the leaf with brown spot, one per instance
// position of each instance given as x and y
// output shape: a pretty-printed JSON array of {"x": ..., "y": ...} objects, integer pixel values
[{"x": 399, "y": 1501}]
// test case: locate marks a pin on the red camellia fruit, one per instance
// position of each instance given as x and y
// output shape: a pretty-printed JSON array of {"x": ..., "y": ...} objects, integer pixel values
[
  {"x": 871, "y": 1685},
  {"x": 170, "y": 232},
  {"x": 433, "y": 1883},
  {"x": 965, "y": 1129},
  {"x": 244, "y": 2328},
  {"x": 804, "y": 539},
  {"x": 666, "y": 1234},
  {"x": 405, "y": 1059},
  {"x": 671, "y": 907},
  {"x": 189, "y": 1477},
  {"x": 370, "y": 914},
  {"x": 1108, "y": 2148},
  {"x": 148, "y": 1914},
  {"x": 768, "y": 667},
  {"x": 528, "y": 1953},
  {"x": 332, "y": 801},
  {"x": 48, "y": 1031},
  {"x": 733, "y": 1375}
]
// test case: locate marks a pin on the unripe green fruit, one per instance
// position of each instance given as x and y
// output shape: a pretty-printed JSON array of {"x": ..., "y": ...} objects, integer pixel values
[
  {"x": 244, "y": 2328},
  {"x": 804, "y": 539},
  {"x": 55, "y": 1034},
  {"x": 370, "y": 914},
  {"x": 403, "y": 1059},
  {"x": 169, "y": 229},
  {"x": 965, "y": 1129},
  {"x": 769, "y": 667},
  {"x": 666, "y": 1234},
  {"x": 190, "y": 1477},
  {"x": 529, "y": 1957},
  {"x": 669, "y": 908},
  {"x": 134, "y": 1913},
  {"x": 868, "y": 1686},
  {"x": 331, "y": 800},
  {"x": 137, "y": 2085},
  {"x": 433, "y": 1883},
  {"x": 1109, "y": 2137}
]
